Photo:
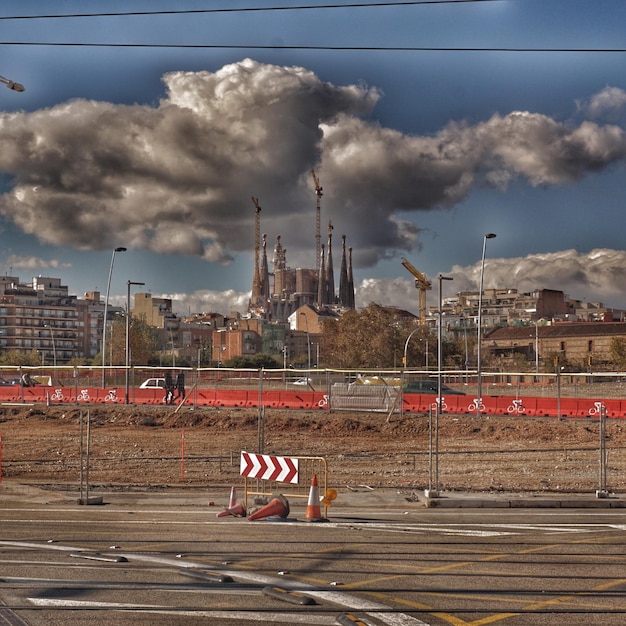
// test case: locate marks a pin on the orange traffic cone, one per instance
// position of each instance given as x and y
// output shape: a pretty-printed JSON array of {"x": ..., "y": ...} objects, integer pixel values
[
  {"x": 313, "y": 510},
  {"x": 233, "y": 498},
  {"x": 233, "y": 508},
  {"x": 235, "y": 511},
  {"x": 277, "y": 506}
]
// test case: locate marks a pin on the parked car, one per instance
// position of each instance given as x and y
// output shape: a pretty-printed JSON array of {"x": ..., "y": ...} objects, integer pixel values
[
  {"x": 429, "y": 386},
  {"x": 302, "y": 381},
  {"x": 153, "y": 383}
]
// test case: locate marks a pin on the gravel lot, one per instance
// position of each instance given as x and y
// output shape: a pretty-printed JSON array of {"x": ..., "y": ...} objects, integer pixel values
[{"x": 157, "y": 447}]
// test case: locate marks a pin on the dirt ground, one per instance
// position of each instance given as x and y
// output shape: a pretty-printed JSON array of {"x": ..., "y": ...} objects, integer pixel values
[{"x": 157, "y": 447}]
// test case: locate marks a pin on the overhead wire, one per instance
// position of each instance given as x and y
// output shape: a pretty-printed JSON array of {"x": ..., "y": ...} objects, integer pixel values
[
  {"x": 311, "y": 48},
  {"x": 304, "y": 7}
]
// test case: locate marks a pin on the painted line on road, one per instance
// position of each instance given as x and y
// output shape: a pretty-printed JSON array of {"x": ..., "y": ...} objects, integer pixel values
[
  {"x": 343, "y": 600},
  {"x": 240, "y": 616}
]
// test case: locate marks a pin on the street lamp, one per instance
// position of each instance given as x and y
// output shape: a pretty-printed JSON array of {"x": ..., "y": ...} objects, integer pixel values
[
  {"x": 128, "y": 284},
  {"x": 173, "y": 348},
  {"x": 308, "y": 337},
  {"x": 479, "y": 393},
  {"x": 54, "y": 348},
  {"x": 406, "y": 344},
  {"x": 441, "y": 278},
  {"x": 11, "y": 85},
  {"x": 104, "y": 321}
]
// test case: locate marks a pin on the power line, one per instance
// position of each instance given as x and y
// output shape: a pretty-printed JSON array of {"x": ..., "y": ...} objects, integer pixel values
[
  {"x": 305, "y": 7},
  {"x": 314, "y": 48}
]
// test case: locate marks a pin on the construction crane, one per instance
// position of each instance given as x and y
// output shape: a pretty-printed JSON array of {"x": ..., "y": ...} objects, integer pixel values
[
  {"x": 318, "y": 209},
  {"x": 423, "y": 284},
  {"x": 256, "y": 280}
]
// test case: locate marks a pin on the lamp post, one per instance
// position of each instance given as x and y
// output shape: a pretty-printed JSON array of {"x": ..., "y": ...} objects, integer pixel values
[
  {"x": 54, "y": 348},
  {"x": 406, "y": 345},
  {"x": 308, "y": 337},
  {"x": 11, "y": 85},
  {"x": 173, "y": 348},
  {"x": 128, "y": 284},
  {"x": 439, "y": 402},
  {"x": 106, "y": 312},
  {"x": 536, "y": 350},
  {"x": 479, "y": 394}
]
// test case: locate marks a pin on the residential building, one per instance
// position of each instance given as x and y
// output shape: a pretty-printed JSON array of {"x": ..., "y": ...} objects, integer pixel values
[{"x": 584, "y": 345}]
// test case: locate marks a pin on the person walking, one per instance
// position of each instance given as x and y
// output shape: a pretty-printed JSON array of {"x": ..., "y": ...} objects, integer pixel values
[
  {"x": 169, "y": 388},
  {"x": 180, "y": 386}
]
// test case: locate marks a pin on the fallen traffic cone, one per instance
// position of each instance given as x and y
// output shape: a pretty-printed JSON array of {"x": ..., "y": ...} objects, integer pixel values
[
  {"x": 233, "y": 508},
  {"x": 233, "y": 498},
  {"x": 278, "y": 507},
  {"x": 313, "y": 510},
  {"x": 235, "y": 511}
]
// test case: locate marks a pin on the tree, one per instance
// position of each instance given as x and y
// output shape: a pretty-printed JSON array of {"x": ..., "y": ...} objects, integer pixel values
[
  {"x": 143, "y": 342},
  {"x": 618, "y": 352},
  {"x": 371, "y": 338},
  {"x": 15, "y": 357},
  {"x": 255, "y": 361}
]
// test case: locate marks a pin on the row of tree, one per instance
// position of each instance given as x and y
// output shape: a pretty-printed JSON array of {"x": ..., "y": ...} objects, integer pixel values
[{"x": 376, "y": 337}]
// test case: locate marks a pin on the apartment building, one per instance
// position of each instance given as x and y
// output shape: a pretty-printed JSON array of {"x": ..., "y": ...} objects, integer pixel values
[{"x": 40, "y": 316}]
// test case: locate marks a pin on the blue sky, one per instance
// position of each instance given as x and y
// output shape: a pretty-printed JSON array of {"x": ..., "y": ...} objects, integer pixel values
[{"x": 420, "y": 152}]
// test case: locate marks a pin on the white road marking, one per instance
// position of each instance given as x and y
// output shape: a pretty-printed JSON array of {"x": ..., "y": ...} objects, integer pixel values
[{"x": 240, "y": 616}]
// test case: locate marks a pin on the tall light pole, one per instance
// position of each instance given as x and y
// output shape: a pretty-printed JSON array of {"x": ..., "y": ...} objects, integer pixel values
[
  {"x": 439, "y": 402},
  {"x": 54, "y": 347},
  {"x": 406, "y": 345},
  {"x": 308, "y": 337},
  {"x": 536, "y": 350},
  {"x": 479, "y": 393},
  {"x": 106, "y": 312},
  {"x": 128, "y": 284},
  {"x": 11, "y": 85}
]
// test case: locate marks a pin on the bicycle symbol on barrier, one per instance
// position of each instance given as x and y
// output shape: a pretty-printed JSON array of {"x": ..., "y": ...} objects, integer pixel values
[
  {"x": 57, "y": 395},
  {"x": 111, "y": 396},
  {"x": 516, "y": 407},
  {"x": 598, "y": 408},
  {"x": 323, "y": 402},
  {"x": 83, "y": 396},
  {"x": 442, "y": 404},
  {"x": 476, "y": 405}
]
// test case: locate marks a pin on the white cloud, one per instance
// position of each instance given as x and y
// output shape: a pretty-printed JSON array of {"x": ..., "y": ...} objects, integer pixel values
[
  {"x": 32, "y": 263},
  {"x": 594, "y": 276},
  {"x": 605, "y": 103}
]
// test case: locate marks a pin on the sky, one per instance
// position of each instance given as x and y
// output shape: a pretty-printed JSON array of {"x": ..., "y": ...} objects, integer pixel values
[{"x": 428, "y": 124}]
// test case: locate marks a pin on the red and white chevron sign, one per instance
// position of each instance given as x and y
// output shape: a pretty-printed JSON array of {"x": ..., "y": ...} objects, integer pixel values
[{"x": 265, "y": 467}]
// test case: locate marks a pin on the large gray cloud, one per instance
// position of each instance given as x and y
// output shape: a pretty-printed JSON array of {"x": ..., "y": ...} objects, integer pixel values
[{"x": 177, "y": 177}]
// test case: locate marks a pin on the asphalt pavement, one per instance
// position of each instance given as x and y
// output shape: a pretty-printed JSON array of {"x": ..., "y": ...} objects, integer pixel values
[{"x": 365, "y": 499}]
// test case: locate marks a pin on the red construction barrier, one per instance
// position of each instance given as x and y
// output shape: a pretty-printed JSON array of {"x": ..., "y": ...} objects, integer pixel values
[
  {"x": 546, "y": 407},
  {"x": 227, "y": 397},
  {"x": 295, "y": 400},
  {"x": 271, "y": 398},
  {"x": 7, "y": 392},
  {"x": 507, "y": 405},
  {"x": 206, "y": 397},
  {"x": 252, "y": 401},
  {"x": 592, "y": 408},
  {"x": 451, "y": 404},
  {"x": 410, "y": 403},
  {"x": 320, "y": 400}
]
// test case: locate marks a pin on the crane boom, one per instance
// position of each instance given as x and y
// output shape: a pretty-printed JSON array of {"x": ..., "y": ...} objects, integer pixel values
[
  {"x": 256, "y": 280},
  {"x": 423, "y": 284},
  {"x": 318, "y": 210}
]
